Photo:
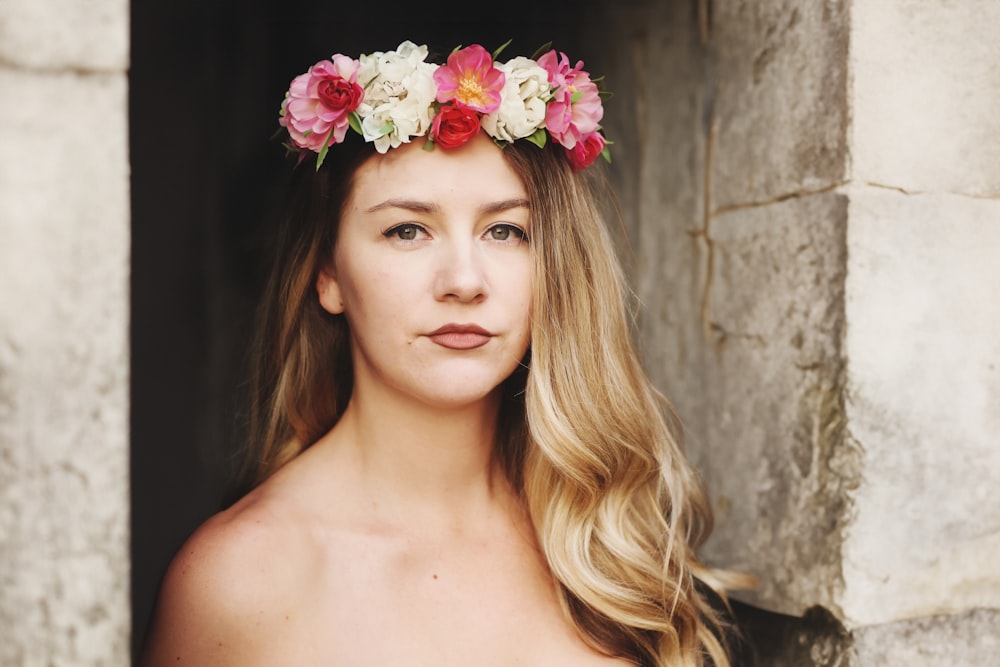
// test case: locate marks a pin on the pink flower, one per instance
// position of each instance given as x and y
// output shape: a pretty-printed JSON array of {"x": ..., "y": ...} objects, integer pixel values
[
  {"x": 575, "y": 110},
  {"x": 319, "y": 103},
  {"x": 470, "y": 79},
  {"x": 454, "y": 125},
  {"x": 586, "y": 150}
]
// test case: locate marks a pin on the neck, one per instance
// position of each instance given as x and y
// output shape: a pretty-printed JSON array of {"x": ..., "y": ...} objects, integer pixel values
[{"x": 418, "y": 458}]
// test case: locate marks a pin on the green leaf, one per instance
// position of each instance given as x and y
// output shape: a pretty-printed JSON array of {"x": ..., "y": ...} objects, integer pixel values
[
  {"x": 355, "y": 122},
  {"x": 541, "y": 50},
  {"x": 322, "y": 151},
  {"x": 606, "y": 154},
  {"x": 575, "y": 97},
  {"x": 539, "y": 137},
  {"x": 501, "y": 48}
]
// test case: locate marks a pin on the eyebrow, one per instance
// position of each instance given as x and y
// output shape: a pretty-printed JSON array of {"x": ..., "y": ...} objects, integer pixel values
[{"x": 418, "y": 206}]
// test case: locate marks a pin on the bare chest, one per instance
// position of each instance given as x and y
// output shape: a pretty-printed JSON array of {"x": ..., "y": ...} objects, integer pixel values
[{"x": 486, "y": 604}]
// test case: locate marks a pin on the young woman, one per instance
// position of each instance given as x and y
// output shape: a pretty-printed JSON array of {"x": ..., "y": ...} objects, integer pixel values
[{"x": 458, "y": 459}]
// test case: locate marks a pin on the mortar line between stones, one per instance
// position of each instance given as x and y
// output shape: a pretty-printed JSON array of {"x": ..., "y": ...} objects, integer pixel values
[
  {"x": 704, "y": 20},
  {"x": 780, "y": 198},
  {"x": 706, "y": 326},
  {"x": 22, "y": 68},
  {"x": 705, "y": 36},
  {"x": 909, "y": 192}
]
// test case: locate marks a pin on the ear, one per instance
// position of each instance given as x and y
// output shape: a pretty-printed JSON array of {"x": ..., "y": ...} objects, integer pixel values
[{"x": 329, "y": 291}]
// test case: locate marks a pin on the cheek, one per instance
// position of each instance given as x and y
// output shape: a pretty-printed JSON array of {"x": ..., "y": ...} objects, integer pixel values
[{"x": 377, "y": 294}]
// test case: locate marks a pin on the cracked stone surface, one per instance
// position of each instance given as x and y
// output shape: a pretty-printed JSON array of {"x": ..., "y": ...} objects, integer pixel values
[
  {"x": 64, "y": 246},
  {"x": 774, "y": 450},
  {"x": 969, "y": 639},
  {"x": 65, "y": 35},
  {"x": 922, "y": 400},
  {"x": 926, "y": 93},
  {"x": 780, "y": 98}
]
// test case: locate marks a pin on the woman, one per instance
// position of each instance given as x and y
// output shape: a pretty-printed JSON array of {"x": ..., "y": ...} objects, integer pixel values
[{"x": 459, "y": 460}]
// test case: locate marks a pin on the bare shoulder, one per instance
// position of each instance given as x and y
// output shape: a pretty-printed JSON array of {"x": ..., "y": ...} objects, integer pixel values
[{"x": 229, "y": 589}]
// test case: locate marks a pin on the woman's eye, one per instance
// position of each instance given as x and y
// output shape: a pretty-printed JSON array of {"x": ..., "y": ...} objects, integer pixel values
[
  {"x": 404, "y": 232},
  {"x": 507, "y": 233}
]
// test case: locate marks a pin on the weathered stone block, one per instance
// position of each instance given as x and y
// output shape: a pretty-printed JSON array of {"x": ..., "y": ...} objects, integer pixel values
[
  {"x": 770, "y": 429},
  {"x": 971, "y": 639},
  {"x": 780, "y": 98},
  {"x": 923, "y": 402},
  {"x": 64, "y": 249},
  {"x": 926, "y": 94},
  {"x": 77, "y": 35}
]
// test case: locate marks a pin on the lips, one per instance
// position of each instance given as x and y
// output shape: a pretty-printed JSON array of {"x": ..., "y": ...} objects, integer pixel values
[{"x": 460, "y": 336}]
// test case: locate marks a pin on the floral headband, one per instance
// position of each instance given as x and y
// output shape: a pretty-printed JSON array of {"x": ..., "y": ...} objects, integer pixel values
[{"x": 390, "y": 97}]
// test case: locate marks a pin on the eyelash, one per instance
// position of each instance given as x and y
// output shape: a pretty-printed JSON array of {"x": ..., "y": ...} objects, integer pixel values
[
  {"x": 520, "y": 235},
  {"x": 394, "y": 231}
]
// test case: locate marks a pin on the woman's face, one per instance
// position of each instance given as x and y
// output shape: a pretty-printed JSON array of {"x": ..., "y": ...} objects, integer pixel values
[{"x": 433, "y": 273}]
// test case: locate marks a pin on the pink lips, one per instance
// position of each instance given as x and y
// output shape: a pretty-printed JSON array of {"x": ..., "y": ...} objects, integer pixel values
[{"x": 460, "y": 336}]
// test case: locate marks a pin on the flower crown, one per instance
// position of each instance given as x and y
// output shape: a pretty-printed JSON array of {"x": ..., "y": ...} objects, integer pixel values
[{"x": 390, "y": 97}]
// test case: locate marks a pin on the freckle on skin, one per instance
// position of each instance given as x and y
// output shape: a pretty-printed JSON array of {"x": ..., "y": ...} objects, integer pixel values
[{"x": 435, "y": 576}]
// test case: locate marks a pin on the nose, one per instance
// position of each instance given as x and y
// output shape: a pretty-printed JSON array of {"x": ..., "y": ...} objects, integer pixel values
[{"x": 461, "y": 273}]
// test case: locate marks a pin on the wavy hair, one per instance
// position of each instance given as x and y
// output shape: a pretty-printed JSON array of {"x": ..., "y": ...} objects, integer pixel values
[{"x": 582, "y": 435}]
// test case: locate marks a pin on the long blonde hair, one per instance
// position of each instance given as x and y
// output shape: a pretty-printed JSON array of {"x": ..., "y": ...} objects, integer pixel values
[{"x": 583, "y": 435}]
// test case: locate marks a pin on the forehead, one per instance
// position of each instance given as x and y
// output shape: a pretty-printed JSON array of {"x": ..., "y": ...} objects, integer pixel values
[{"x": 476, "y": 171}]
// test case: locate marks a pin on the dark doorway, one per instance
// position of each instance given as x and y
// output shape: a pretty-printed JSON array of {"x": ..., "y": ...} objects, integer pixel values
[{"x": 206, "y": 82}]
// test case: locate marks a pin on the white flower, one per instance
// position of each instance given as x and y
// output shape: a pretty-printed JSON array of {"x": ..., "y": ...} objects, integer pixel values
[
  {"x": 399, "y": 95},
  {"x": 522, "y": 101}
]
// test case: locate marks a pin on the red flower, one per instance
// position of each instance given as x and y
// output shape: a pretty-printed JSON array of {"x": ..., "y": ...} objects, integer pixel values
[
  {"x": 454, "y": 125},
  {"x": 318, "y": 104},
  {"x": 586, "y": 150},
  {"x": 339, "y": 94}
]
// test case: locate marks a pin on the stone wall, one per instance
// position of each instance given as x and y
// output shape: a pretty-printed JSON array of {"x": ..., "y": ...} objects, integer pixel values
[
  {"x": 812, "y": 195},
  {"x": 64, "y": 256}
]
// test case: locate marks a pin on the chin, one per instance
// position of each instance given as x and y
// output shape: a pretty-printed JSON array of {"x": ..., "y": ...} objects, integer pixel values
[
  {"x": 457, "y": 393},
  {"x": 462, "y": 399}
]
